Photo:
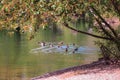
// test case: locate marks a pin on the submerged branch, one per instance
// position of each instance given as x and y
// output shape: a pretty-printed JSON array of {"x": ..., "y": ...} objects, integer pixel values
[{"x": 86, "y": 33}]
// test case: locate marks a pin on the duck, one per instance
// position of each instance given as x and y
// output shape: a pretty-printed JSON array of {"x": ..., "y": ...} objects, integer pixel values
[
  {"x": 42, "y": 44},
  {"x": 66, "y": 49},
  {"x": 61, "y": 43},
  {"x": 51, "y": 45},
  {"x": 76, "y": 49}
]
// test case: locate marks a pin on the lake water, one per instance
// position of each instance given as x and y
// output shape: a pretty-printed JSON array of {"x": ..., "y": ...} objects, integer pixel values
[{"x": 18, "y": 63}]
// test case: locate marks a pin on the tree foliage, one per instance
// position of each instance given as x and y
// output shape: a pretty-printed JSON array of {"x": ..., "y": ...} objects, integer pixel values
[{"x": 41, "y": 13}]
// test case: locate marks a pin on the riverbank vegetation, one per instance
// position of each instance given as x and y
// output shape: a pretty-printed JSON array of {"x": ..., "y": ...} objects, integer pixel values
[{"x": 30, "y": 15}]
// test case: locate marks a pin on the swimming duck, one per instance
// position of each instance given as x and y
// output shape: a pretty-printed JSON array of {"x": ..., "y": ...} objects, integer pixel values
[
  {"x": 76, "y": 49},
  {"x": 51, "y": 45},
  {"x": 66, "y": 49},
  {"x": 42, "y": 44},
  {"x": 60, "y": 43}
]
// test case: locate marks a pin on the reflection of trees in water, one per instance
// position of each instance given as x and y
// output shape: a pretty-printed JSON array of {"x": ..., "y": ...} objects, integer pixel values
[
  {"x": 11, "y": 44},
  {"x": 51, "y": 32},
  {"x": 17, "y": 45},
  {"x": 10, "y": 49},
  {"x": 55, "y": 29}
]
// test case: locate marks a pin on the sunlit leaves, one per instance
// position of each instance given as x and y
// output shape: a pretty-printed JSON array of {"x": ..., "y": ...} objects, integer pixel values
[{"x": 20, "y": 11}]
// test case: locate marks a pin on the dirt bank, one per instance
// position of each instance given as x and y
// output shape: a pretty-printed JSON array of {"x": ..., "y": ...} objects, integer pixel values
[{"x": 95, "y": 71}]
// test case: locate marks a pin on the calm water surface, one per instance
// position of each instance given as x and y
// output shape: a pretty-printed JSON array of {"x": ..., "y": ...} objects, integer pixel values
[{"x": 17, "y": 63}]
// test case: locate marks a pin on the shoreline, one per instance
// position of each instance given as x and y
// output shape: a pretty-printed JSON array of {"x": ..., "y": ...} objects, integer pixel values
[{"x": 93, "y": 69}]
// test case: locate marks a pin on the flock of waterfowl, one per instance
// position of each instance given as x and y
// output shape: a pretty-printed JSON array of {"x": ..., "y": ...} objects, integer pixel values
[{"x": 48, "y": 47}]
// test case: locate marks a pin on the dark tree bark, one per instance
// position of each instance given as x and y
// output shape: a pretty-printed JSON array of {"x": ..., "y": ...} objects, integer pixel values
[
  {"x": 103, "y": 20},
  {"x": 86, "y": 33}
]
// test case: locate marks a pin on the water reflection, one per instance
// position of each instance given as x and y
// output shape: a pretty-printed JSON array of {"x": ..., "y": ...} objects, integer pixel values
[
  {"x": 16, "y": 63},
  {"x": 17, "y": 45}
]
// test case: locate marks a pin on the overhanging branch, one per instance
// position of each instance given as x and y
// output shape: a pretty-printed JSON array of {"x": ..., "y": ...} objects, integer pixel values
[
  {"x": 86, "y": 33},
  {"x": 103, "y": 29},
  {"x": 103, "y": 20}
]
